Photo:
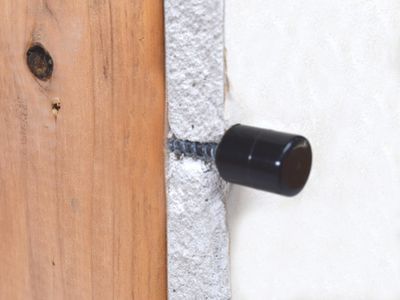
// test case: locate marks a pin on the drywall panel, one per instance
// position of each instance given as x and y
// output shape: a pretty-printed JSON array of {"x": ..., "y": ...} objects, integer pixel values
[{"x": 329, "y": 70}]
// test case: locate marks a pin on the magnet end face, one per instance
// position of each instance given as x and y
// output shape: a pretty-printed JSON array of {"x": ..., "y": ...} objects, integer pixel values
[{"x": 295, "y": 167}]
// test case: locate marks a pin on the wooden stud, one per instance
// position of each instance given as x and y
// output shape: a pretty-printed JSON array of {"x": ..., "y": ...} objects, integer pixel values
[{"x": 82, "y": 201}]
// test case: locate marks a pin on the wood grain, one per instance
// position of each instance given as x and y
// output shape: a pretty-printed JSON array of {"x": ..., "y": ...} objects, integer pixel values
[{"x": 82, "y": 202}]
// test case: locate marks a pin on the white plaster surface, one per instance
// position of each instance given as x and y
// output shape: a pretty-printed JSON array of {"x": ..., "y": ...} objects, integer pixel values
[
  {"x": 198, "y": 249},
  {"x": 329, "y": 70}
]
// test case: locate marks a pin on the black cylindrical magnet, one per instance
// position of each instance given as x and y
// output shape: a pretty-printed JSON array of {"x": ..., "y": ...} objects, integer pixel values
[{"x": 264, "y": 159}]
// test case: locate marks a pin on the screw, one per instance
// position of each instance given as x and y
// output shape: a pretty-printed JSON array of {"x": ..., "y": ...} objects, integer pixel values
[
  {"x": 264, "y": 159},
  {"x": 195, "y": 150}
]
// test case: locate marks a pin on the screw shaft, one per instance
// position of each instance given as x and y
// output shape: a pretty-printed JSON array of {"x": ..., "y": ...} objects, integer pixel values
[{"x": 196, "y": 150}]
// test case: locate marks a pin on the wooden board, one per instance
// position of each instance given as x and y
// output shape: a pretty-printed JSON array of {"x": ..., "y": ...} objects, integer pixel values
[{"x": 82, "y": 202}]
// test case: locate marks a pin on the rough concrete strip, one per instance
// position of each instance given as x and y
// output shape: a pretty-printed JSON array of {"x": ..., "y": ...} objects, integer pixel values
[
  {"x": 195, "y": 68},
  {"x": 198, "y": 245},
  {"x": 197, "y": 235}
]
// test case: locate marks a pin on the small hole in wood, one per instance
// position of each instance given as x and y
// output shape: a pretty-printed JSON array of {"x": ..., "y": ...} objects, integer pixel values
[
  {"x": 55, "y": 106},
  {"x": 39, "y": 62}
]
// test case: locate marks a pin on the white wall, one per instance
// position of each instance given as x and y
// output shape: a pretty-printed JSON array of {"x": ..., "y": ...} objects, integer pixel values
[{"x": 329, "y": 70}]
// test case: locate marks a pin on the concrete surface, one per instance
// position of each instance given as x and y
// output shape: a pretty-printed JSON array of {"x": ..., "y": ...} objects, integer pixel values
[{"x": 198, "y": 249}]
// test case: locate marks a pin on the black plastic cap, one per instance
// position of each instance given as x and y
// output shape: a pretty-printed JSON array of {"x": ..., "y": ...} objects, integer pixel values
[{"x": 264, "y": 159}]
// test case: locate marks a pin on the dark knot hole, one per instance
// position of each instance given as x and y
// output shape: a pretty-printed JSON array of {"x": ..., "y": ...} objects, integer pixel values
[{"x": 39, "y": 62}]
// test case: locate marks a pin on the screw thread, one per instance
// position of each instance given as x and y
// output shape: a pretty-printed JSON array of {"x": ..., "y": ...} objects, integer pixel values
[{"x": 195, "y": 150}]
